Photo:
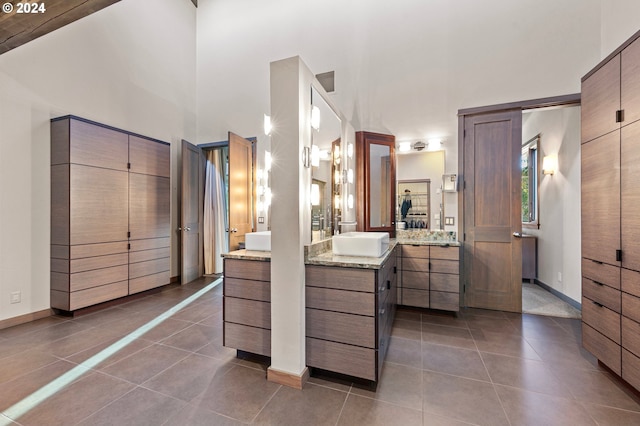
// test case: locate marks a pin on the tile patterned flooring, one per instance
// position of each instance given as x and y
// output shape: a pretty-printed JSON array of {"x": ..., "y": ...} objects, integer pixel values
[{"x": 481, "y": 367}]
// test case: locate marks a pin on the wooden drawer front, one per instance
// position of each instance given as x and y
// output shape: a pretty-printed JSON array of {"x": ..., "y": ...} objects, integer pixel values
[
  {"x": 141, "y": 269},
  {"x": 419, "y": 280},
  {"x": 250, "y": 339},
  {"x": 339, "y": 327},
  {"x": 602, "y": 348},
  {"x": 247, "y": 269},
  {"x": 447, "y": 253},
  {"x": 411, "y": 297},
  {"x": 99, "y": 262},
  {"x": 631, "y": 335},
  {"x": 444, "y": 301},
  {"x": 341, "y": 358},
  {"x": 603, "y": 294},
  {"x": 148, "y": 282},
  {"x": 415, "y": 251},
  {"x": 445, "y": 266},
  {"x": 145, "y": 255},
  {"x": 385, "y": 273},
  {"x": 149, "y": 157},
  {"x": 415, "y": 264},
  {"x": 341, "y": 278},
  {"x": 631, "y": 306},
  {"x": 602, "y": 319},
  {"x": 98, "y": 146},
  {"x": 91, "y": 250},
  {"x": 631, "y": 369},
  {"x": 98, "y": 277},
  {"x": 150, "y": 243},
  {"x": 631, "y": 282},
  {"x": 350, "y": 302},
  {"x": 601, "y": 272},
  {"x": 247, "y": 312},
  {"x": 103, "y": 293},
  {"x": 247, "y": 289},
  {"x": 444, "y": 282},
  {"x": 62, "y": 251},
  {"x": 60, "y": 265}
]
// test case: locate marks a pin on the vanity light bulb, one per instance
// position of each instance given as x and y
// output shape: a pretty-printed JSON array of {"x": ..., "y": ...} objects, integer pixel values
[
  {"x": 267, "y": 161},
  {"x": 267, "y": 197},
  {"x": 315, "y": 117},
  {"x": 350, "y": 175},
  {"x": 350, "y": 201},
  {"x": 350, "y": 150},
  {"x": 336, "y": 177},
  {"x": 336, "y": 152},
  {"x": 260, "y": 190},
  {"x": 315, "y": 156},
  {"x": 267, "y": 125},
  {"x": 337, "y": 201},
  {"x": 259, "y": 174}
]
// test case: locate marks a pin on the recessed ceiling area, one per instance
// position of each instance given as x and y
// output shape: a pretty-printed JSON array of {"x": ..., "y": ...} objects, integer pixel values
[{"x": 28, "y": 20}]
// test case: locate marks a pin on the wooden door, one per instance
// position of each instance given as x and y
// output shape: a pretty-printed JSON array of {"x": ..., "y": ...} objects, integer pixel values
[
  {"x": 149, "y": 206},
  {"x": 629, "y": 195},
  {"x": 630, "y": 90},
  {"x": 240, "y": 189},
  {"x": 600, "y": 101},
  {"x": 491, "y": 211},
  {"x": 192, "y": 211}
]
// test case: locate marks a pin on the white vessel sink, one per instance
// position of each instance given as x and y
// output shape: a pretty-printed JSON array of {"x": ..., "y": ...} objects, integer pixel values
[
  {"x": 260, "y": 241},
  {"x": 370, "y": 244}
]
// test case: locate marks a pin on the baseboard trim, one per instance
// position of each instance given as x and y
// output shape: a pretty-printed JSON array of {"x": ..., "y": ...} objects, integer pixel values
[
  {"x": 562, "y": 296},
  {"x": 22, "y": 319},
  {"x": 292, "y": 380}
]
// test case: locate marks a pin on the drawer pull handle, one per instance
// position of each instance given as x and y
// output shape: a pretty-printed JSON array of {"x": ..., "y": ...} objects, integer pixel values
[
  {"x": 600, "y": 305},
  {"x": 596, "y": 261},
  {"x": 600, "y": 284},
  {"x": 388, "y": 285}
]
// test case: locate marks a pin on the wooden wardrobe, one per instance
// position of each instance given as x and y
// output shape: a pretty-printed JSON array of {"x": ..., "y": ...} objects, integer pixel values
[{"x": 110, "y": 213}]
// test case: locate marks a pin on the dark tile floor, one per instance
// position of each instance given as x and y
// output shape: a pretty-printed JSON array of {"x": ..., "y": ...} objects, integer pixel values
[{"x": 482, "y": 367}]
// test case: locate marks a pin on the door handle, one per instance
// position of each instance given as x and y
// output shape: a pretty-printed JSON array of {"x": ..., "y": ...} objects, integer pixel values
[
  {"x": 187, "y": 229},
  {"x": 517, "y": 235}
]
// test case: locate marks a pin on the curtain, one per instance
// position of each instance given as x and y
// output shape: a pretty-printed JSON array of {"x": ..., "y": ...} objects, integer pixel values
[{"x": 215, "y": 212}]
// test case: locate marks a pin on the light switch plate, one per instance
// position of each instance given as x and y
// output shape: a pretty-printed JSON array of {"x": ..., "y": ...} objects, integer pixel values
[
  {"x": 449, "y": 220},
  {"x": 260, "y": 219}
]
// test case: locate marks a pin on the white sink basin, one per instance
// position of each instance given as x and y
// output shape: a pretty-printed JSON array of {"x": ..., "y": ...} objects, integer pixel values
[
  {"x": 260, "y": 241},
  {"x": 370, "y": 244}
]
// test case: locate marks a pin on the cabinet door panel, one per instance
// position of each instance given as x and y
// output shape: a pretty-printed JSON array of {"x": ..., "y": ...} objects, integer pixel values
[
  {"x": 601, "y": 198},
  {"x": 100, "y": 205},
  {"x": 98, "y": 146},
  {"x": 630, "y": 195},
  {"x": 630, "y": 83},
  {"x": 149, "y": 206},
  {"x": 412, "y": 279},
  {"x": 444, "y": 282},
  {"x": 149, "y": 157},
  {"x": 449, "y": 253},
  {"x": 600, "y": 101}
]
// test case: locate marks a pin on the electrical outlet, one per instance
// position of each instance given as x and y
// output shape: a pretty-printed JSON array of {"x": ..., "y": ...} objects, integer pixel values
[
  {"x": 559, "y": 277},
  {"x": 15, "y": 297}
]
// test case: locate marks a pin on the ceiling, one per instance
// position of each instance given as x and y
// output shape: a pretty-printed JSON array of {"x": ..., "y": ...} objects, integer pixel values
[{"x": 17, "y": 29}]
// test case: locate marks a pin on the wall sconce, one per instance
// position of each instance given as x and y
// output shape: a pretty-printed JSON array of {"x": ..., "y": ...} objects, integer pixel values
[
  {"x": 315, "y": 156},
  {"x": 315, "y": 118},
  {"x": 315, "y": 194},
  {"x": 549, "y": 164},
  {"x": 267, "y": 125}
]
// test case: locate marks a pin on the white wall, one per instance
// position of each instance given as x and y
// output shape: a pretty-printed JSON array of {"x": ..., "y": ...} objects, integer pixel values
[
  {"x": 559, "y": 234},
  {"x": 620, "y": 20},
  {"x": 127, "y": 66}
]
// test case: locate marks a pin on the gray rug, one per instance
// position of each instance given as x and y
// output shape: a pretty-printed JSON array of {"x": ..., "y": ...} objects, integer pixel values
[{"x": 536, "y": 300}]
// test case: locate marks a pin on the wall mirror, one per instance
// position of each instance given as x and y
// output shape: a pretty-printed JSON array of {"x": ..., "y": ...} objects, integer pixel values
[
  {"x": 326, "y": 172},
  {"x": 421, "y": 173}
]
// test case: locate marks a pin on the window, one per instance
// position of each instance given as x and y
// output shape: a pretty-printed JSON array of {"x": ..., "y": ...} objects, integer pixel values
[{"x": 529, "y": 166}]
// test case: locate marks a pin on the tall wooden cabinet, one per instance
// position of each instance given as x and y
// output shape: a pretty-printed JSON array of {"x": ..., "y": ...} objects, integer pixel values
[
  {"x": 110, "y": 213},
  {"x": 610, "y": 203}
]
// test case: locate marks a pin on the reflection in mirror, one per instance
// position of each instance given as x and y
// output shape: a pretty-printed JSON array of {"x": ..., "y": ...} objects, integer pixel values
[
  {"x": 414, "y": 203},
  {"x": 380, "y": 185},
  {"x": 326, "y": 137}
]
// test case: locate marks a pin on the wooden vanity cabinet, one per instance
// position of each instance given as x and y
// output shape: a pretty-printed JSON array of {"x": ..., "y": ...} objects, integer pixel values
[
  {"x": 110, "y": 213},
  {"x": 349, "y": 315},
  {"x": 610, "y": 202},
  {"x": 247, "y": 305}
]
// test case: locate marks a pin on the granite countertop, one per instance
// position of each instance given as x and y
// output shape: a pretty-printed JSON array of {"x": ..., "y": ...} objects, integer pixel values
[
  {"x": 428, "y": 243},
  {"x": 264, "y": 256},
  {"x": 329, "y": 259}
]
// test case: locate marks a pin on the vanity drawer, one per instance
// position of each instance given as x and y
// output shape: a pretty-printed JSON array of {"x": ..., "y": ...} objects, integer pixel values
[
  {"x": 344, "y": 328},
  {"x": 602, "y": 348},
  {"x": 144, "y": 255},
  {"x": 602, "y": 319},
  {"x": 444, "y": 282},
  {"x": 445, "y": 266},
  {"x": 341, "y": 358},
  {"x": 603, "y": 294},
  {"x": 350, "y": 302},
  {"x": 147, "y": 282},
  {"x": 444, "y": 301},
  {"x": 140, "y": 269},
  {"x": 412, "y": 297},
  {"x": 247, "y": 269},
  {"x": 631, "y": 335},
  {"x": 412, "y": 279},
  {"x": 631, "y": 369},
  {"x": 631, "y": 282},
  {"x": 601, "y": 273},
  {"x": 341, "y": 278},
  {"x": 247, "y": 312},
  {"x": 95, "y": 295},
  {"x": 415, "y": 264},
  {"x": 631, "y": 306},
  {"x": 247, "y": 289},
  {"x": 447, "y": 253},
  {"x": 415, "y": 251},
  {"x": 250, "y": 339}
]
